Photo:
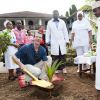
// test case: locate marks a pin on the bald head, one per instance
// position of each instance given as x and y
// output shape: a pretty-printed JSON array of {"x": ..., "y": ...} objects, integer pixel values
[
  {"x": 19, "y": 24},
  {"x": 55, "y": 14}
]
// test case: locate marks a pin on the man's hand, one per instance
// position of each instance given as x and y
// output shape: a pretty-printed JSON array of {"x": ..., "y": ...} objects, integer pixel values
[
  {"x": 71, "y": 41},
  {"x": 17, "y": 61},
  {"x": 67, "y": 44},
  {"x": 16, "y": 45},
  {"x": 47, "y": 44},
  {"x": 90, "y": 43}
]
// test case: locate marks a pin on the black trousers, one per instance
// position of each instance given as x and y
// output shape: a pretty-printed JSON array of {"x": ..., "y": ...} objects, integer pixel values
[
  {"x": 60, "y": 58},
  {"x": 18, "y": 70}
]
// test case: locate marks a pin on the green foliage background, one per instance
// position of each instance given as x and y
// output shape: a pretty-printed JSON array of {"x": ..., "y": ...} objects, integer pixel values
[{"x": 4, "y": 42}]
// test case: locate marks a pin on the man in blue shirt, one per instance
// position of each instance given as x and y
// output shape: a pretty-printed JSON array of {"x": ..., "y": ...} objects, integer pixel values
[{"x": 33, "y": 57}]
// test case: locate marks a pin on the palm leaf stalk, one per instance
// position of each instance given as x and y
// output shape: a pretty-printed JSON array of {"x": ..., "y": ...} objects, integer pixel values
[{"x": 50, "y": 70}]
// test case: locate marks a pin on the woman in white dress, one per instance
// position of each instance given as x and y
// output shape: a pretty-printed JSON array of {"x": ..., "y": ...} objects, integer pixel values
[
  {"x": 81, "y": 34},
  {"x": 11, "y": 50}
]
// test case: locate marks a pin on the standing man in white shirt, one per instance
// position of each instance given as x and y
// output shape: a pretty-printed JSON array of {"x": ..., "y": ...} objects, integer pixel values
[
  {"x": 57, "y": 38},
  {"x": 96, "y": 10}
]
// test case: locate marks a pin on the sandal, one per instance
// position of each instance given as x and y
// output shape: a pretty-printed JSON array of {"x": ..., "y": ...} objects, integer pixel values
[{"x": 12, "y": 78}]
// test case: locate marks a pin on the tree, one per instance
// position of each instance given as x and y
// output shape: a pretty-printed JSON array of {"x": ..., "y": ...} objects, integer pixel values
[
  {"x": 91, "y": 16},
  {"x": 70, "y": 11},
  {"x": 86, "y": 7},
  {"x": 67, "y": 14},
  {"x": 74, "y": 9}
]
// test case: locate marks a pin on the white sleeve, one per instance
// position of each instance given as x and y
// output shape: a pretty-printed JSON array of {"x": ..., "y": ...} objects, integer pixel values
[
  {"x": 48, "y": 34},
  {"x": 65, "y": 31}
]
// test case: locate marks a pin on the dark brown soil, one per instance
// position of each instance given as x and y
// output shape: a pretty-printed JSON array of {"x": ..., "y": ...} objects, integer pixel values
[{"x": 72, "y": 88}]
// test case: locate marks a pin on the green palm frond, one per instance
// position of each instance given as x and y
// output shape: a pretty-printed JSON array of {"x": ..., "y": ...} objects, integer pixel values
[
  {"x": 50, "y": 70},
  {"x": 56, "y": 65},
  {"x": 86, "y": 7}
]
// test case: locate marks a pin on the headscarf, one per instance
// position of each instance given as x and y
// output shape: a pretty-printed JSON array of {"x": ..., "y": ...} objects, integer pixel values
[
  {"x": 84, "y": 23},
  {"x": 96, "y": 4},
  {"x": 6, "y": 22}
]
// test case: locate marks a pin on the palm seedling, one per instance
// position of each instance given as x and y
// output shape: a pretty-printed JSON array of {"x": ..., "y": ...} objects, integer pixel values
[{"x": 50, "y": 70}]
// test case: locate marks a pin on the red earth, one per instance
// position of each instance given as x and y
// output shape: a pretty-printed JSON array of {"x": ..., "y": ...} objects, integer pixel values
[{"x": 72, "y": 88}]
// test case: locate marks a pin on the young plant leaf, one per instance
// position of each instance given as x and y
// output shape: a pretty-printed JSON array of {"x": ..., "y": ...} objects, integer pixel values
[{"x": 50, "y": 70}]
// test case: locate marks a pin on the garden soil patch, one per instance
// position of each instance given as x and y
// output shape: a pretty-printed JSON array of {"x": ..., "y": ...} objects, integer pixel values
[{"x": 72, "y": 88}]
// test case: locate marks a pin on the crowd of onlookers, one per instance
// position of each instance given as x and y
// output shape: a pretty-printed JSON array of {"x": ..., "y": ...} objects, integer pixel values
[
  {"x": 20, "y": 37},
  {"x": 30, "y": 50}
]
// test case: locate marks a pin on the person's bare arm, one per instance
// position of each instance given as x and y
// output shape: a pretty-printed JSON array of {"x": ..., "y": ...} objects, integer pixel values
[
  {"x": 15, "y": 45},
  {"x": 90, "y": 37},
  {"x": 17, "y": 61}
]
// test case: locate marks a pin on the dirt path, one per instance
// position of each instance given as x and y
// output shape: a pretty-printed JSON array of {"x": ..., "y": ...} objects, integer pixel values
[{"x": 72, "y": 88}]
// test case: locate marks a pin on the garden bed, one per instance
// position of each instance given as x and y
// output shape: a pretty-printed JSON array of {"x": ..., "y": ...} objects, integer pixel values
[{"x": 72, "y": 88}]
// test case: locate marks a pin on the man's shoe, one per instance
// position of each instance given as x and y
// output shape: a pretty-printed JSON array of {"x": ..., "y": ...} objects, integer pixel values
[
  {"x": 64, "y": 71},
  {"x": 12, "y": 78},
  {"x": 58, "y": 71}
]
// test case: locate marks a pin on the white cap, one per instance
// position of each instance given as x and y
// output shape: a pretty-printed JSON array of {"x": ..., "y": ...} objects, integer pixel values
[
  {"x": 6, "y": 22},
  {"x": 96, "y": 4}
]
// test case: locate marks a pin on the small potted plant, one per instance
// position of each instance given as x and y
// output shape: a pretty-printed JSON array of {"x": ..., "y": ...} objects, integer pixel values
[{"x": 50, "y": 70}]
